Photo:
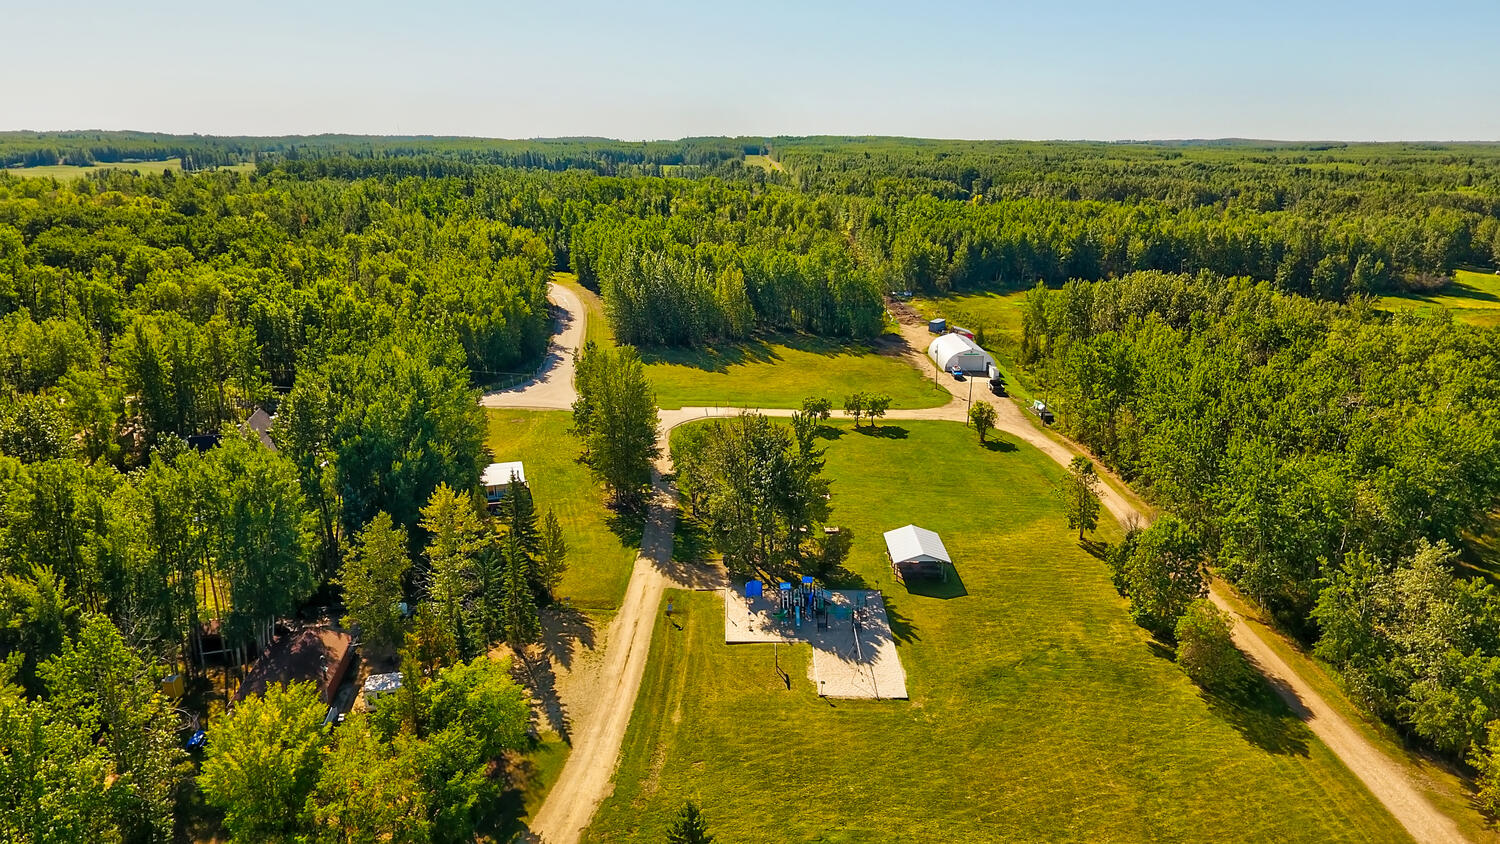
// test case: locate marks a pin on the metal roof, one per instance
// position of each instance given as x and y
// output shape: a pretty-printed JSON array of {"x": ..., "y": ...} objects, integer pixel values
[
  {"x": 910, "y": 543},
  {"x": 498, "y": 474},
  {"x": 950, "y": 347}
]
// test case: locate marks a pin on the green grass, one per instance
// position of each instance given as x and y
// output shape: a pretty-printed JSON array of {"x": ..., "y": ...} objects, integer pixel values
[
  {"x": 781, "y": 370},
  {"x": 1038, "y": 711},
  {"x": 765, "y": 162},
  {"x": 68, "y": 171},
  {"x": 1447, "y": 790},
  {"x": 602, "y": 547},
  {"x": 1472, "y": 297}
]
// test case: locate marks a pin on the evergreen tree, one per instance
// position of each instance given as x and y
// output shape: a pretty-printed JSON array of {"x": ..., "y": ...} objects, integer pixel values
[{"x": 689, "y": 827}]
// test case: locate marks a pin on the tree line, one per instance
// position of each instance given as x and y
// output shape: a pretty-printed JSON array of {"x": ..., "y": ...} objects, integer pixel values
[{"x": 1326, "y": 457}]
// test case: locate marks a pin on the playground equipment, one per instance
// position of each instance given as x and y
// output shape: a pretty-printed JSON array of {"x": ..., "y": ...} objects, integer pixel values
[{"x": 794, "y": 603}]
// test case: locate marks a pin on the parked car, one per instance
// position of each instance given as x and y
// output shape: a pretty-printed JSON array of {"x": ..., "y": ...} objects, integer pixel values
[
  {"x": 997, "y": 385},
  {"x": 958, "y": 374},
  {"x": 1042, "y": 411}
]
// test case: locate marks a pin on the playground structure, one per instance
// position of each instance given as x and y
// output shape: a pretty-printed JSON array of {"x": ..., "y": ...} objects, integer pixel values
[{"x": 854, "y": 652}]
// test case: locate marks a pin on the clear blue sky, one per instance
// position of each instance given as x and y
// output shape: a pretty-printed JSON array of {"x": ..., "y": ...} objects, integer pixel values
[{"x": 1084, "y": 69}]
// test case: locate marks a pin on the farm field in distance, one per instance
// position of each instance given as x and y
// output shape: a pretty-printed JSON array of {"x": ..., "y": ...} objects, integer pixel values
[
  {"x": 780, "y": 370},
  {"x": 1037, "y": 707},
  {"x": 69, "y": 171}
]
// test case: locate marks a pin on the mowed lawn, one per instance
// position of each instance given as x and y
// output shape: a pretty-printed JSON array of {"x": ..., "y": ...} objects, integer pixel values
[
  {"x": 1038, "y": 711},
  {"x": 780, "y": 371},
  {"x": 601, "y": 547},
  {"x": 1473, "y": 297}
]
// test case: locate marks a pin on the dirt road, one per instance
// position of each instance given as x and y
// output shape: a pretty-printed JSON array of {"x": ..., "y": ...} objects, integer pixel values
[
  {"x": 586, "y": 779},
  {"x": 552, "y": 388}
]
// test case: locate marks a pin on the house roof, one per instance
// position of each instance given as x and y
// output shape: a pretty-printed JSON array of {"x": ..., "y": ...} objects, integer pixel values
[
  {"x": 260, "y": 423},
  {"x": 498, "y": 474},
  {"x": 911, "y": 543}
]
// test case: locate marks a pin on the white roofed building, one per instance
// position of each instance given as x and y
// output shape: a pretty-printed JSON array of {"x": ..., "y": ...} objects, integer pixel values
[
  {"x": 497, "y": 478},
  {"x": 956, "y": 350},
  {"x": 915, "y": 550}
]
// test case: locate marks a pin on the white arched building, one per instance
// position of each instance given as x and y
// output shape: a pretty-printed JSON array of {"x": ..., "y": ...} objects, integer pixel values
[{"x": 952, "y": 350}]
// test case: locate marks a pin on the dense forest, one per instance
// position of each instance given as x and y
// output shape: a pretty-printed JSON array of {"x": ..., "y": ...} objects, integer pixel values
[{"x": 1202, "y": 320}]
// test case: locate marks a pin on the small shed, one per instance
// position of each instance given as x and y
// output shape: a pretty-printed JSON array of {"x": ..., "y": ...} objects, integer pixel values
[
  {"x": 378, "y": 686},
  {"x": 937, "y": 326},
  {"x": 919, "y": 551},
  {"x": 955, "y": 351},
  {"x": 497, "y": 478}
]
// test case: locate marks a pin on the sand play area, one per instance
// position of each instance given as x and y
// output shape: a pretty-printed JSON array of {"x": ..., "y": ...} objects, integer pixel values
[{"x": 854, "y": 655}]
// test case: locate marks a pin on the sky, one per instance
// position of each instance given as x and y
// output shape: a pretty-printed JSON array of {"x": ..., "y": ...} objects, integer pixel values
[{"x": 1123, "y": 69}]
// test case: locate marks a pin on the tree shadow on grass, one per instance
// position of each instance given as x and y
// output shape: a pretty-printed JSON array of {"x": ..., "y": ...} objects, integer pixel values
[
  {"x": 997, "y": 445},
  {"x": 1094, "y": 548},
  {"x": 901, "y": 626},
  {"x": 889, "y": 432},
  {"x": 828, "y": 432},
  {"x": 1268, "y": 714},
  {"x": 627, "y": 526},
  {"x": 691, "y": 542}
]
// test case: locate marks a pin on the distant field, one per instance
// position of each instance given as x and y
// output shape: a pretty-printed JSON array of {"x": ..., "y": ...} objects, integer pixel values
[
  {"x": 781, "y": 370},
  {"x": 68, "y": 171},
  {"x": 601, "y": 548},
  {"x": 764, "y": 162},
  {"x": 1038, "y": 711},
  {"x": 1472, "y": 297}
]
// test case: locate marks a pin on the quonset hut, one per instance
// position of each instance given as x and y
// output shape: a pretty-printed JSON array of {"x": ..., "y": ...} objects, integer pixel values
[{"x": 956, "y": 350}]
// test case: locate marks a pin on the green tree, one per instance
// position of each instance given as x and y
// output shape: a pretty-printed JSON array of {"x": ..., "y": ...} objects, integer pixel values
[
  {"x": 52, "y": 775},
  {"x": 263, "y": 762},
  {"x": 689, "y": 827},
  {"x": 817, "y": 407},
  {"x": 371, "y": 582},
  {"x": 367, "y": 791},
  {"x": 621, "y": 422},
  {"x": 36, "y": 620},
  {"x": 1206, "y": 651},
  {"x": 982, "y": 417},
  {"x": 1079, "y": 493},
  {"x": 855, "y": 405},
  {"x": 1161, "y": 572},
  {"x": 454, "y": 546},
  {"x": 1486, "y": 761},
  {"x": 552, "y": 560},
  {"x": 876, "y": 405},
  {"x": 519, "y": 624},
  {"x": 105, "y": 687}
]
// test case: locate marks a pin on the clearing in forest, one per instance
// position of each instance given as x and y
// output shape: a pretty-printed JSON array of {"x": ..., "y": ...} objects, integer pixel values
[
  {"x": 1472, "y": 297},
  {"x": 780, "y": 370},
  {"x": 1037, "y": 710}
]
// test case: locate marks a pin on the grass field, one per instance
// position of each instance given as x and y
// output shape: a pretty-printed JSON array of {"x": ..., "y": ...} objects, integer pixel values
[
  {"x": 1038, "y": 711},
  {"x": 764, "y": 162},
  {"x": 1472, "y": 297},
  {"x": 601, "y": 547},
  {"x": 68, "y": 171},
  {"x": 781, "y": 370}
]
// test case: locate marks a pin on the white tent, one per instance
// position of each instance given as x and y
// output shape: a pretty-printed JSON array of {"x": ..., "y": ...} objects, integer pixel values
[
  {"x": 952, "y": 350},
  {"x": 916, "y": 549}
]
